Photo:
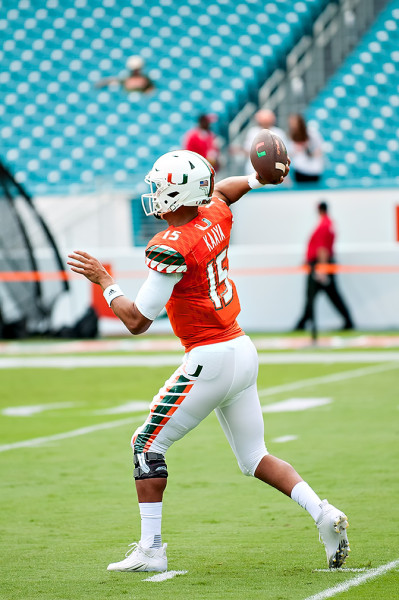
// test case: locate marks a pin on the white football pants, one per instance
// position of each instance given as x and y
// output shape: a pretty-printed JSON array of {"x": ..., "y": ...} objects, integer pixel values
[{"x": 219, "y": 377}]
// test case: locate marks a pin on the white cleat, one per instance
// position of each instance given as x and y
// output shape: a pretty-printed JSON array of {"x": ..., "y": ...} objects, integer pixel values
[
  {"x": 332, "y": 525},
  {"x": 142, "y": 559}
]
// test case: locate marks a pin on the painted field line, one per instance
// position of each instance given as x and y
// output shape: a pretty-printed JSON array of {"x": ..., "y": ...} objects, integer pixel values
[
  {"x": 358, "y": 580},
  {"x": 164, "y": 576},
  {"x": 285, "y": 438},
  {"x": 295, "y": 405},
  {"x": 326, "y": 358},
  {"x": 85, "y": 362},
  {"x": 28, "y": 411},
  {"x": 68, "y": 434},
  {"x": 334, "y": 377},
  {"x": 265, "y": 392},
  {"x": 173, "y": 360},
  {"x": 342, "y": 570}
]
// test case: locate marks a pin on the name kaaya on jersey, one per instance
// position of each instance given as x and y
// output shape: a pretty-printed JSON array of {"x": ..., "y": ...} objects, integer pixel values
[{"x": 213, "y": 237}]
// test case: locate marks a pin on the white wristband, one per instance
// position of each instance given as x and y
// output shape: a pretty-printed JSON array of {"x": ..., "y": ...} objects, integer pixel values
[
  {"x": 253, "y": 182},
  {"x": 112, "y": 292}
]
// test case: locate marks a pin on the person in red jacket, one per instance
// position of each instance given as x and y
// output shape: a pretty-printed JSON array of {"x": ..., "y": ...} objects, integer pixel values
[
  {"x": 203, "y": 141},
  {"x": 320, "y": 250}
]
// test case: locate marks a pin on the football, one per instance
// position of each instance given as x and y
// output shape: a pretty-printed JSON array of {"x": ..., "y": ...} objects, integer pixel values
[{"x": 268, "y": 156}]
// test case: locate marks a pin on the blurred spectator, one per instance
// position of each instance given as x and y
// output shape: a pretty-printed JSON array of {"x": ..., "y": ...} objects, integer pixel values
[
  {"x": 203, "y": 141},
  {"x": 265, "y": 119},
  {"x": 320, "y": 250},
  {"x": 135, "y": 81},
  {"x": 305, "y": 149}
]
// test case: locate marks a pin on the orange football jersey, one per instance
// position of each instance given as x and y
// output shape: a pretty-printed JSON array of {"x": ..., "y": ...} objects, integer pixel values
[{"x": 204, "y": 304}]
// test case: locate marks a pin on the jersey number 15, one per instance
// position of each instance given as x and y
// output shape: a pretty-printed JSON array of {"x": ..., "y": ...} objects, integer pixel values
[{"x": 220, "y": 288}]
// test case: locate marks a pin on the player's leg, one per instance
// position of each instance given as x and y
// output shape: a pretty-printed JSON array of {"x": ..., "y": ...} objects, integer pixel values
[
  {"x": 336, "y": 299},
  {"x": 242, "y": 421},
  {"x": 241, "y": 418},
  {"x": 301, "y": 323},
  {"x": 312, "y": 288},
  {"x": 193, "y": 391},
  {"x": 149, "y": 554},
  {"x": 150, "y": 474}
]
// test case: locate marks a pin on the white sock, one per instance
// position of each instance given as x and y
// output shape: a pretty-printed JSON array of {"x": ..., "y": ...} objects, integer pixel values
[
  {"x": 151, "y": 520},
  {"x": 307, "y": 498}
]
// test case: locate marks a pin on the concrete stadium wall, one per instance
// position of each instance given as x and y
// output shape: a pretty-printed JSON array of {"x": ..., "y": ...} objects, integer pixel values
[
  {"x": 286, "y": 217},
  {"x": 270, "y": 232}
]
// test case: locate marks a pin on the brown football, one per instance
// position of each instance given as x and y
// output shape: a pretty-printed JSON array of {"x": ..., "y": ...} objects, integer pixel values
[{"x": 268, "y": 156}]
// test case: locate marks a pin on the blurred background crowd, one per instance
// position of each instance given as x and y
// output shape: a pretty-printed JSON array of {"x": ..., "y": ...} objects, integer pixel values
[{"x": 93, "y": 91}]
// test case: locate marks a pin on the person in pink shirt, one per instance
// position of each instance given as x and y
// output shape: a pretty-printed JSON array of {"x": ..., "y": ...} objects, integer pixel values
[{"x": 320, "y": 250}]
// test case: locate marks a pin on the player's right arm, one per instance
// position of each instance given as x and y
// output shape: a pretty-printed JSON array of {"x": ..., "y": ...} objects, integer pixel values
[
  {"x": 129, "y": 314},
  {"x": 151, "y": 299}
]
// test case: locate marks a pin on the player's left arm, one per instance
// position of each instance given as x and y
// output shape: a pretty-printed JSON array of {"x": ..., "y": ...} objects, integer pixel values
[{"x": 232, "y": 189}]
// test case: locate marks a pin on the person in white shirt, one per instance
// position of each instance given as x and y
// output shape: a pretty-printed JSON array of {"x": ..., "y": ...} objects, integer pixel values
[
  {"x": 265, "y": 119},
  {"x": 305, "y": 149}
]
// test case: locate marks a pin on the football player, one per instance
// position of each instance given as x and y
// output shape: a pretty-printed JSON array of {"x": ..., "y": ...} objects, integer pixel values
[{"x": 189, "y": 274}]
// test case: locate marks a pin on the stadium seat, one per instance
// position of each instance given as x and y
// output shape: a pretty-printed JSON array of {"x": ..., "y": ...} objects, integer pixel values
[
  {"x": 201, "y": 56},
  {"x": 357, "y": 111}
]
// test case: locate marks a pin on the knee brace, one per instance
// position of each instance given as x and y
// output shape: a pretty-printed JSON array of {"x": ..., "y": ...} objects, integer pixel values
[{"x": 149, "y": 465}]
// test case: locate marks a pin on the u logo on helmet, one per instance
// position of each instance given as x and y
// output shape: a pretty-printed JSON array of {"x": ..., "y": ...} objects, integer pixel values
[{"x": 169, "y": 179}]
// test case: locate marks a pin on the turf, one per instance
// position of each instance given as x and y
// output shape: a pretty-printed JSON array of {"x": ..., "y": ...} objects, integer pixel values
[{"x": 68, "y": 507}]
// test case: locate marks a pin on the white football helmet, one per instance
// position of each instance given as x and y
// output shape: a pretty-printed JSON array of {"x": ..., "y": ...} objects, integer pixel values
[{"x": 179, "y": 178}]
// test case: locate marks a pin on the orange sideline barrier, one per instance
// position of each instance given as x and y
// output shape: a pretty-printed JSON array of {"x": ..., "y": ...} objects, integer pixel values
[
  {"x": 25, "y": 276},
  {"x": 33, "y": 276}
]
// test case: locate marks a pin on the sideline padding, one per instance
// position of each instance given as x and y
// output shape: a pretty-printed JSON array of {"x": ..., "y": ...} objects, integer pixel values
[{"x": 324, "y": 269}]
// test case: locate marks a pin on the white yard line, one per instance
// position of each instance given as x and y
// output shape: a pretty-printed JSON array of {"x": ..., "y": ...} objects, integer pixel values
[
  {"x": 160, "y": 360},
  {"x": 28, "y": 411},
  {"x": 63, "y": 436},
  {"x": 285, "y": 438},
  {"x": 342, "y": 570},
  {"x": 334, "y": 377},
  {"x": 155, "y": 343},
  {"x": 358, "y": 580},
  {"x": 164, "y": 576},
  {"x": 304, "y": 357},
  {"x": 265, "y": 392},
  {"x": 84, "y": 362},
  {"x": 133, "y": 406},
  {"x": 295, "y": 405}
]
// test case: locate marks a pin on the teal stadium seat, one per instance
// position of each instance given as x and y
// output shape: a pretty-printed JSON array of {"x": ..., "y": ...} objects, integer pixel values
[
  {"x": 59, "y": 132},
  {"x": 357, "y": 111}
]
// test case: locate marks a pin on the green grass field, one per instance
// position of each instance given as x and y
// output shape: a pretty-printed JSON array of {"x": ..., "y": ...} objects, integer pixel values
[{"x": 68, "y": 506}]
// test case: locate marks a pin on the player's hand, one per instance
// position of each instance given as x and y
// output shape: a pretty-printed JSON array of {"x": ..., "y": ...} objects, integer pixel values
[
  {"x": 89, "y": 267},
  {"x": 259, "y": 178},
  {"x": 287, "y": 170}
]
